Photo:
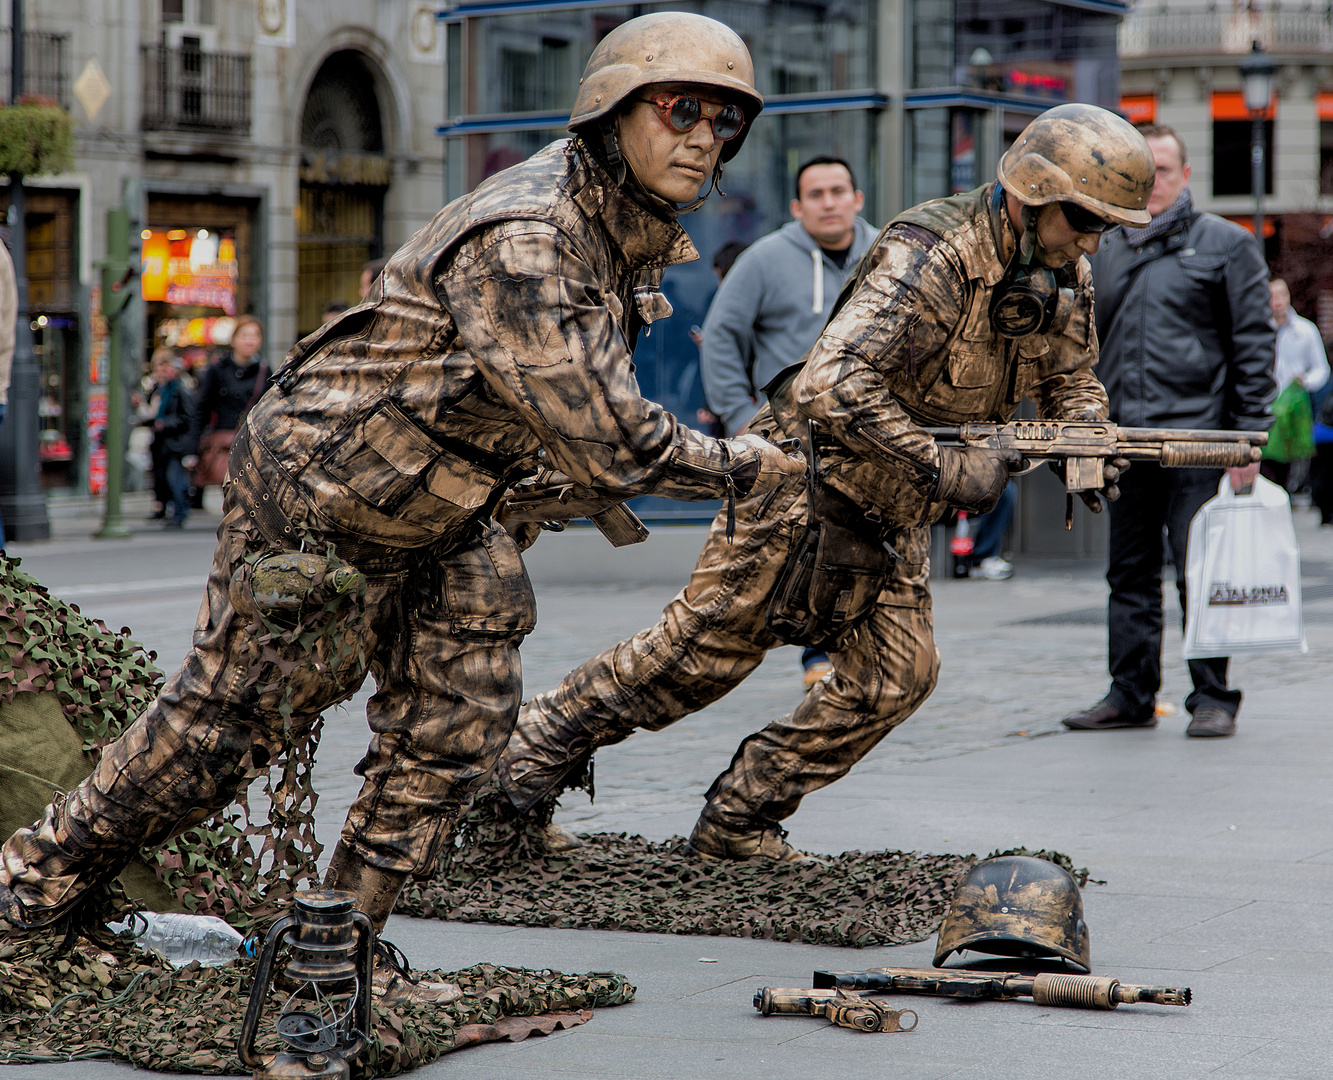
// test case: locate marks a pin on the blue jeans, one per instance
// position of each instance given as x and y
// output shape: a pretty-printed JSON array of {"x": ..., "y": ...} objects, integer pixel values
[
  {"x": 988, "y": 529},
  {"x": 178, "y": 482}
]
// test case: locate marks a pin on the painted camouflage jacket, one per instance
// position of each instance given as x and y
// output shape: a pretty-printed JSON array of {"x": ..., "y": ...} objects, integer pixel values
[
  {"x": 502, "y": 328},
  {"x": 911, "y": 345}
]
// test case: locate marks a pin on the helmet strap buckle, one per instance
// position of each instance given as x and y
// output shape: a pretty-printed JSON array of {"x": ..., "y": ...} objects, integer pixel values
[{"x": 615, "y": 160}]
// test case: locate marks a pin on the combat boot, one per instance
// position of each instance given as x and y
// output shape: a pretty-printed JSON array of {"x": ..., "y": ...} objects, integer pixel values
[
  {"x": 376, "y": 892},
  {"x": 556, "y": 840},
  {"x": 713, "y": 839}
]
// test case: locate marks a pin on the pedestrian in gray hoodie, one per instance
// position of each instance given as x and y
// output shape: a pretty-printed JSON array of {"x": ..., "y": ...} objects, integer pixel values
[{"x": 773, "y": 303}]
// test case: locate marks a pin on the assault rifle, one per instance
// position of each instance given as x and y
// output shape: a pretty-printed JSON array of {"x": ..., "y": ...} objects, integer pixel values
[
  {"x": 1079, "y": 991},
  {"x": 1085, "y": 446},
  {"x": 551, "y": 498}
]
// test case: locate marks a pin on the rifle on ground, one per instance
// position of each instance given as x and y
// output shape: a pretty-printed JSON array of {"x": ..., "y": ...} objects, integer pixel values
[
  {"x": 1078, "y": 991},
  {"x": 551, "y": 498},
  {"x": 1085, "y": 446}
]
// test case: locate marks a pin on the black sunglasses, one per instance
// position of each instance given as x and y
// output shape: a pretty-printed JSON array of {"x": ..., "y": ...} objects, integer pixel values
[
  {"x": 683, "y": 111},
  {"x": 1082, "y": 220}
]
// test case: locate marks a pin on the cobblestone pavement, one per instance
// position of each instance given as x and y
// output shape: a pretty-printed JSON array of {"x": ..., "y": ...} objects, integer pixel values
[{"x": 1218, "y": 853}]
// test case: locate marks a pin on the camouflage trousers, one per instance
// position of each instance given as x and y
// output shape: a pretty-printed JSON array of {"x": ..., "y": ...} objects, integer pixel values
[
  {"x": 439, "y": 628},
  {"x": 709, "y": 638}
]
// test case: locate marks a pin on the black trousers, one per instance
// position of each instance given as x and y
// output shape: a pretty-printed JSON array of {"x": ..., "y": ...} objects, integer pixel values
[
  {"x": 1153, "y": 498},
  {"x": 1321, "y": 481}
]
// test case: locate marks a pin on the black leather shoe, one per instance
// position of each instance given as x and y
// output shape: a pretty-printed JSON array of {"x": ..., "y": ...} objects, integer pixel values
[
  {"x": 1211, "y": 722},
  {"x": 1105, "y": 717}
]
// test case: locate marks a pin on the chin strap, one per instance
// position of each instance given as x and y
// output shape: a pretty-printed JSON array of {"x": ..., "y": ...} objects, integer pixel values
[
  {"x": 714, "y": 185},
  {"x": 1027, "y": 243}
]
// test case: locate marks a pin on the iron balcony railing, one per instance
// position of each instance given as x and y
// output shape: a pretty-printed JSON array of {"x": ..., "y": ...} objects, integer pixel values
[
  {"x": 1152, "y": 29},
  {"x": 43, "y": 65},
  {"x": 189, "y": 89}
]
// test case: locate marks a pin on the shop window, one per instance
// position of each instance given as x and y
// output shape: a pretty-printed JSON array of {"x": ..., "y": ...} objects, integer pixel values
[
  {"x": 1233, "y": 129},
  {"x": 198, "y": 266},
  {"x": 1034, "y": 49},
  {"x": 52, "y": 269},
  {"x": 1232, "y": 173}
]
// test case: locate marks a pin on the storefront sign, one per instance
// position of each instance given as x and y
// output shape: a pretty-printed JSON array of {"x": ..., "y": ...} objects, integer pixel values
[
  {"x": 189, "y": 268},
  {"x": 365, "y": 170},
  {"x": 1139, "y": 108}
]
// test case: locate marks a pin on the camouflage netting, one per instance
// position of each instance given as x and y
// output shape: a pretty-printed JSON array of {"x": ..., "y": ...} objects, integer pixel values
[
  {"x": 100, "y": 996},
  {"x": 239, "y": 865},
  {"x": 497, "y": 873},
  {"x": 96, "y": 995}
]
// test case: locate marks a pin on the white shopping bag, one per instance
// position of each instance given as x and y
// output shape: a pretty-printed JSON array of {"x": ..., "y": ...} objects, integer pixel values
[{"x": 1243, "y": 575}]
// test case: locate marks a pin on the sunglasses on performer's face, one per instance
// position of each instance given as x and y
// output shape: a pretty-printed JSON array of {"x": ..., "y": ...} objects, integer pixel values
[
  {"x": 1083, "y": 221},
  {"x": 681, "y": 112}
]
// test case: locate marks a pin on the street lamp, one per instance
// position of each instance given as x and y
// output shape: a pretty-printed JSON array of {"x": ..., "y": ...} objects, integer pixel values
[{"x": 1256, "y": 73}]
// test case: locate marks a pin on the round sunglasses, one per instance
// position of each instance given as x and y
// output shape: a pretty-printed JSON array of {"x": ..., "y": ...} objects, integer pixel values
[{"x": 681, "y": 112}]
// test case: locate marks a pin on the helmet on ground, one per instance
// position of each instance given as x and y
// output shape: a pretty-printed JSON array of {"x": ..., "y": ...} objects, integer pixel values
[
  {"x": 667, "y": 47},
  {"x": 1084, "y": 155},
  {"x": 1016, "y": 906}
]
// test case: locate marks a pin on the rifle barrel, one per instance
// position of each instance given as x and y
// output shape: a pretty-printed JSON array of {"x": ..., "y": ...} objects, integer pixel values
[{"x": 1079, "y": 991}]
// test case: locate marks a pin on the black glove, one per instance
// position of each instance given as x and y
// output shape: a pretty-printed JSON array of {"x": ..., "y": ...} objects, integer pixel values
[{"x": 974, "y": 478}]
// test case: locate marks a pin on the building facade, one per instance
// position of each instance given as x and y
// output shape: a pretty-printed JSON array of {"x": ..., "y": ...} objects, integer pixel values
[
  {"x": 265, "y": 151},
  {"x": 1180, "y": 66}
]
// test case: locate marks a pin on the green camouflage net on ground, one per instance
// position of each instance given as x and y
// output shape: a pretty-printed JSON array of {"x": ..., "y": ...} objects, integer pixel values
[
  {"x": 100, "y": 996},
  {"x": 497, "y": 873},
  {"x": 240, "y": 866}
]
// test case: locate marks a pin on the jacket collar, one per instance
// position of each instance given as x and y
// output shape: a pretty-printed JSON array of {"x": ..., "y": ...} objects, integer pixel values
[{"x": 640, "y": 237}]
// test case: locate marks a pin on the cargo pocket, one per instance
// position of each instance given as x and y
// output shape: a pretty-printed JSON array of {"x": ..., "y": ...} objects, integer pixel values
[
  {"x": 486, "y": 590},
  {"x": 969, "y": 384},
  {"x": 383, "y": 456}
]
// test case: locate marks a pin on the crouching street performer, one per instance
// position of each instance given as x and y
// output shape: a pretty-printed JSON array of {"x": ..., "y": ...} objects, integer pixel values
[
  {"x": 357, "y": 531},
  {"x": 962, "y": 308}
]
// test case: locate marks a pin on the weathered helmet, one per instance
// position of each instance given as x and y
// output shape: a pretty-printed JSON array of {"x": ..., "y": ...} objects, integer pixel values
[
  {"x": 667, "y": 47},
  {"x": 1016, "y": 906},
  {"x": 1085, "y": 155}
]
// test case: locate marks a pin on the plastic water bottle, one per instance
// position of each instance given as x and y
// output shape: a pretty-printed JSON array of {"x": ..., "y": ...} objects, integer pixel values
[{"x": 180, "y": 938}]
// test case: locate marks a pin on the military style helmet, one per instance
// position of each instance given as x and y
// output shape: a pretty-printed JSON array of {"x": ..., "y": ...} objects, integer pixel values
[
  {"x": 1016, "y": 906},
  {"x": 667, "y": 47},
  {"x": 1084, "y": 155}
]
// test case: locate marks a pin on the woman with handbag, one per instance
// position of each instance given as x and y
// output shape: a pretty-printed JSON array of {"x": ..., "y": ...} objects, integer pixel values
[{"x": 228, "y": 389}]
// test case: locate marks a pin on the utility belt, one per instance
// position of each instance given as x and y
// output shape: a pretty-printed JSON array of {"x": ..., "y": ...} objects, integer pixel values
[
  {"x": 836, "y": 570},
  {"x": 261, "y": 500}
]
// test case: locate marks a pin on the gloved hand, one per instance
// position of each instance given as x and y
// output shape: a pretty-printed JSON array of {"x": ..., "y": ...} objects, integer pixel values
[
  {"x": 757, "y": 465},
  {"x": 1110, "y": 474},
  {"x": 974, "y": 478}
]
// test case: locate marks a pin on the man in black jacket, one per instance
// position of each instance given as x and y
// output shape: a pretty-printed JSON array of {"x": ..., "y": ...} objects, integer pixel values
[{"x": 1183, "y": 320}]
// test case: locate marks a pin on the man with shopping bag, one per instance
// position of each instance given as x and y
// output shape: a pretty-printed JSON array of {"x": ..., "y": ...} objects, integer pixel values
[{"x": 1183, "y": 320}]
